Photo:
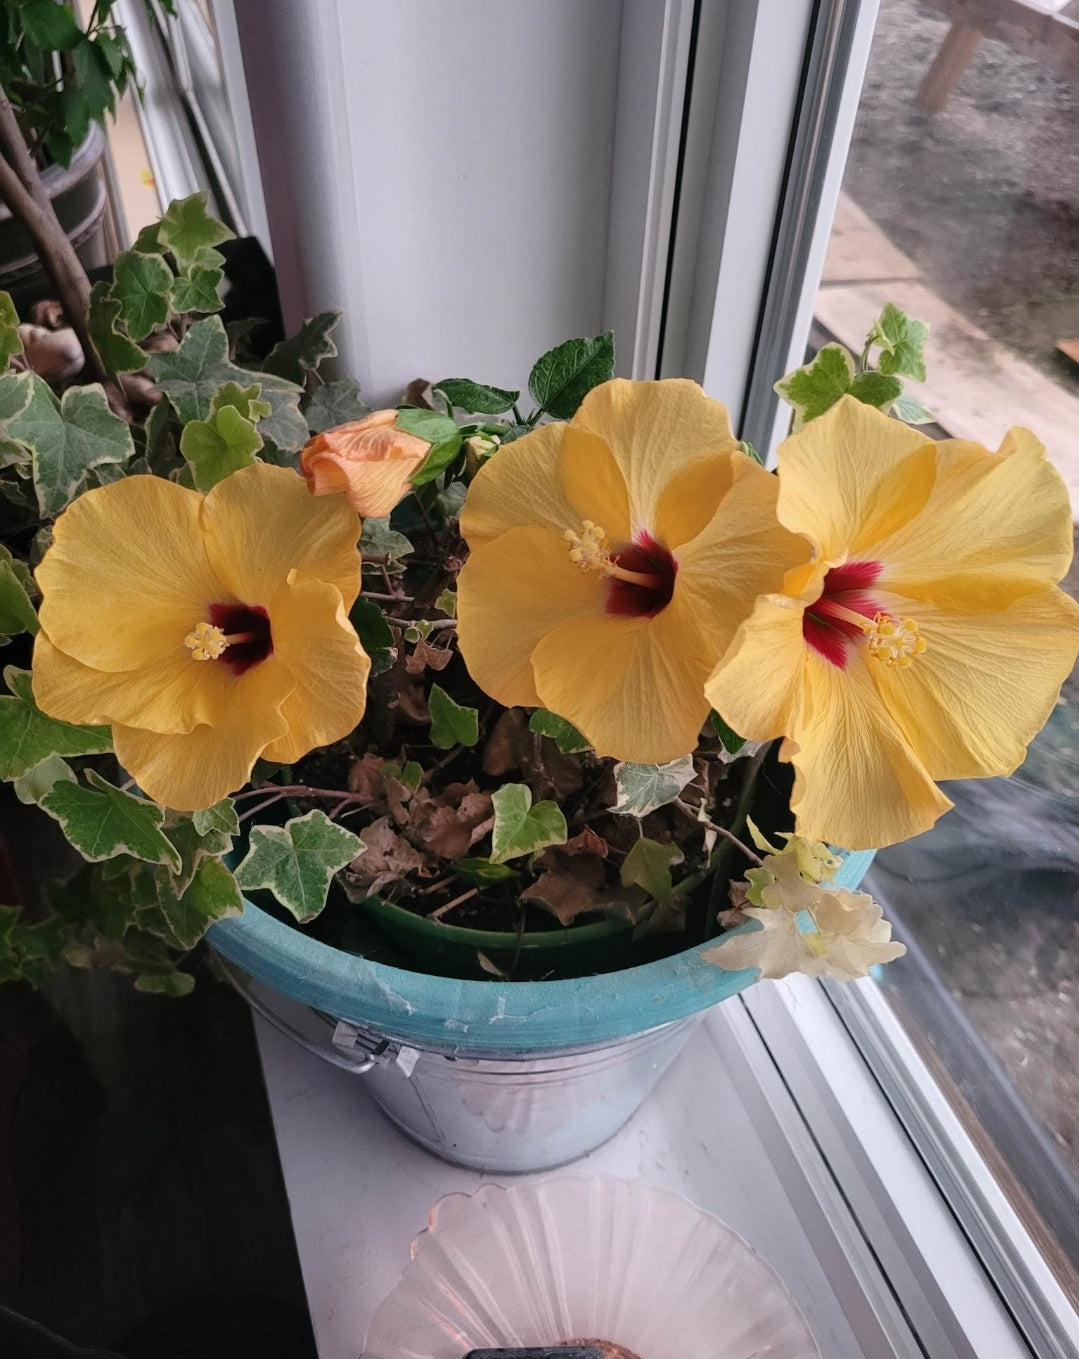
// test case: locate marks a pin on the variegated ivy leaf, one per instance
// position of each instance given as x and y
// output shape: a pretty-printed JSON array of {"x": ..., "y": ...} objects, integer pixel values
[
  {"x": 564, "y": 734},
  {"x": 10, "y": 343},
  {"x": 68, "y": 437},
  {"x": 648, "y": 865},
  {"x": 911, "y": 410},
  {"x": 521, "y": 828},
  {"x": 102, "y": 821},
  {"x": 221, "y": 817},
  {"x": 191, "y": 376},
  {"x": 337, "y": 403},
  {"x": 297, "y": 861},
  {"x": 193, "y": 846},
  {"x": 217, "y": 447},
  {"x": 187, "y": 228},
  {"x": 902, "y": 341},
  {"x": 190, "y": 903},
  {"x": 28, "y": 736},
  {"x": 644, "y": 787},
  {"x": 17, "y": 613},
  {"x": 32, "y": 786},
  {"x": 116, "y": 352},
  {"x": 301, "y": 353},
  {"x": 243, "y": 399},
  {"x": 817, "y": 386},
  {"x": 197, "y": 290},
  {"x": 141, "y": 284}
]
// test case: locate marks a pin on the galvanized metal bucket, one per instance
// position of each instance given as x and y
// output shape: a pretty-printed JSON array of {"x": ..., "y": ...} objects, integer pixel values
[{"x": 499, "y": 1076}]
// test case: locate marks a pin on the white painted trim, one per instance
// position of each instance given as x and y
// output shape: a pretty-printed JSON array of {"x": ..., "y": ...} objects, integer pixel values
[{"x": 912, "y": 1230}]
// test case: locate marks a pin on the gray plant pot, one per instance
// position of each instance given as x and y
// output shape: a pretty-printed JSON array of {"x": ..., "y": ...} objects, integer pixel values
[{"x": 78, "y": 196}]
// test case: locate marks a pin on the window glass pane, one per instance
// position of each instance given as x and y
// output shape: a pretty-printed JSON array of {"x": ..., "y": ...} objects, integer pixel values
[{"x": 961, "y": 205}]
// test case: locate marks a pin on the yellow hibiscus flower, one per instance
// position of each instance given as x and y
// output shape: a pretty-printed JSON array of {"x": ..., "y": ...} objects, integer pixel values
[
  {"x": 925, "y": 641},
  {"x": 207, "y": 630},
  {"x": 611, "y": 561}
]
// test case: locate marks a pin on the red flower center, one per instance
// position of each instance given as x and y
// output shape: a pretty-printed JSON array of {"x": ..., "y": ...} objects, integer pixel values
[
  {"x": 247, "y": 628},
  {"x": 825, "y": 626},
  {"x": 646, "y": 597}
]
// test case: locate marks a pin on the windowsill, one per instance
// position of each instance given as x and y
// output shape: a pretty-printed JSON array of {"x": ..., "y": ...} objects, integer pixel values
[{"x": 825, "y": 1204}]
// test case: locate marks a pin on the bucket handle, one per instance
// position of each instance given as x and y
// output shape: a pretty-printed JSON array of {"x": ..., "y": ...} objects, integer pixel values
[{"x": 328, "y": 1052}]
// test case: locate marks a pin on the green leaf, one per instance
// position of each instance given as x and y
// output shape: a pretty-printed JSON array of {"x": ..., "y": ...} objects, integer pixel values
[
  {"x": 337, "y": 403},
  {"x": 514, "y": 432},
  {"x": 451, "y": 724},
  {"x": 648, "y": 865},
  {"x": 216, "y": 448},
  {"x": 220, "y": 818},
  {"x": 902, "y": 342},
  {"x": 911, "y": 410},
  {"x": 565, "y": 375},
  {"x": 425, "y": 424},
  {"x": 447, "y": 603},
  {"x": 10, "y": 343},
  {"x": 876, "y": 389},
  {"x": 141, "y": 284},
  {"x": 190, "y": 907},
  {"x": 375, "y": 634},
  {"x": 242, "y": 399},
  {"x": 817, "y": 386},
  {"x": 17, "y": 614},
  {"x": 302, "y": 353},
  {"x": 565, "y": 736},
  {"x": 32, "y": 786},
  {"x": 193, "y": 846},
  {"x": 169, "y": 983},
  {"x": 186, "y": 227},
  {"x": 521, "y": 828},
  {"x": 644, "y": 787},
  {"x": 29, "y": 952},
  {"x": 438, "y": 459},
  {"x": 16, "y": 389},
  {"x": 191, "y": 376},
  {"x": 102, "y": 821},
  {"x": 297, "y": 861},
  {"x": 67, "y": 438},
  {"x": 116, "y": 352},
  {"x": 482, "y": 872},
  {"x": 476, "y": 397},
  {"x": 379, "y": 540},
  {"x": 730, "y": 740},
  {"x": 148, "y": 241},
  {"x": 197, "y": 290},
  {"x": 50, "y": 26},
  {"x": 27, "y": 736}
]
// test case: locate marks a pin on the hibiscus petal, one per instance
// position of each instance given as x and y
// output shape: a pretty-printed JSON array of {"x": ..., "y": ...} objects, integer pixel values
[
  {"x": 633, "y": 686},
  {"x": 190, "y": 772},
  {"x": 510, "y": 593},
  {"x": 757, "y": 686},
  {"x": 518, "y": 486},
  {"x": 996, "y": 527},
  {"x": 127, "y": 576},
  {"x": 858, "y": 781},
  {"x": 743, "y": 552},
  {"x": 852, "y": 477},
  {"x": 654, "y": 428},
  {"x": 261, "y": 523},
  {"x": 313, "y": 638},
  {"x": 170, "y": 695},
  {"x": 593, "y": 483},
  {"x": 691, "y": 497},
  {"x": 985, "y": 685}
]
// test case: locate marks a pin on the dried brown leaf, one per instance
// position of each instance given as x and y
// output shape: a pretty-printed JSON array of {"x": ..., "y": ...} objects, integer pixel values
[
  {"x": 452, "y": 823},
  {"x": 412, "y": 701},
  {"x": 365, "y": 778},
  {"x": 509, "y": 744},
  {"x": 587, "y": 842},
  {"x": 425, "y": 656},
  {"x": 386, "y": 857}
]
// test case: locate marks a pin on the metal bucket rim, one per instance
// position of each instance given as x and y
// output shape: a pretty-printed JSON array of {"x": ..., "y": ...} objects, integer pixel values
[{"x": 492, "y": 1016}]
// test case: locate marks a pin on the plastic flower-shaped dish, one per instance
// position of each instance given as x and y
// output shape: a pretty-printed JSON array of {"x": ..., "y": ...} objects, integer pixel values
[
  {"x": 611, "y": 562},
  {"x": 208, "y": 630},
  {"x": 585, "y": 1259},
  {"x": 926, "y": 640}
]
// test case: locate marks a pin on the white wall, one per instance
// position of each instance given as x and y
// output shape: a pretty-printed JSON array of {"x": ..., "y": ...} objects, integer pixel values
[{"x": 442, "y": 174}]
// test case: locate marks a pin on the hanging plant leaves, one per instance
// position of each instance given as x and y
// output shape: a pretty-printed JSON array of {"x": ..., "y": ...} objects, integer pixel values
[
  {"x": 116, "y": 352},
  {"x": 565, "y": 736},
  {"x": 17, "y": 613},
  {"x": 902, "y": 342},
  {"x": 27, "y": 736},
  {"x": 10, "y": 342},
  {"x": 302, "y": 353},
  {"x": 187, "y": 228},
  {"x": 102, "y": 821},
  {"x": 217, "y": 447},
  {"x": 142, "y": 284},
  {"x": 337, "y": 403},
  {"x": 197, "y": 290},
  {"x": 68, "y": 437},
  {"x": 644, "y": 787},
  {"x": 297, "y": 861},
  {"x": 451, "y": 724}
]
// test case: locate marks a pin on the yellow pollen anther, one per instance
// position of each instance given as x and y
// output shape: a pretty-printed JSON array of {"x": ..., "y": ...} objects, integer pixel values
[
  {"x": 206, "y": 642},
  {"x": 589, "y": 549},
  {"x": 895, "y": 641}
]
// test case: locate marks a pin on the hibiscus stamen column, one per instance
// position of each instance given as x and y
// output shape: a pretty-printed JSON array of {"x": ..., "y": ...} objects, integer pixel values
[
  {"x": 893, "y": 641},
  {"x": 591, "y": 551}
]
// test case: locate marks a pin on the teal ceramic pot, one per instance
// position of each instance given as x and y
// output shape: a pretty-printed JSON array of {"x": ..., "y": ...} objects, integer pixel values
[{"x": 502, "y": 1076}]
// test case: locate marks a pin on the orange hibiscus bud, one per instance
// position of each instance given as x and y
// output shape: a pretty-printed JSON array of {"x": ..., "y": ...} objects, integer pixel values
[{"x": 370, "y": 460}]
